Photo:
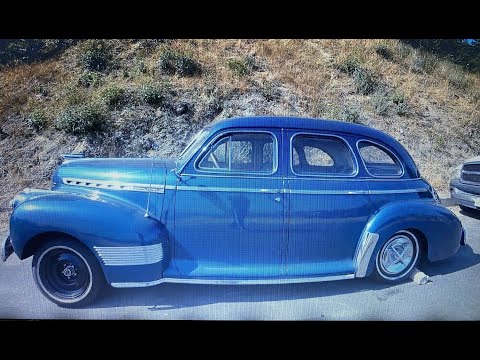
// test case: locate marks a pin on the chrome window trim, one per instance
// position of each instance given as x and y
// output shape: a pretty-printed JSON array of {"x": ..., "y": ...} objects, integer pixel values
[
  {"x": 113, "y": 185},
  {"x": 204, "y": 281},
  {"x": 352, "y": 153},
  {"x": 229, "y": 173},
  {"x": 193, "y": 154},
  {"x": 388, "y": 151}
]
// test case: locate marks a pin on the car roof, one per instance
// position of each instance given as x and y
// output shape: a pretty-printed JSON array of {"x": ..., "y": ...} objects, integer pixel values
[
  {"x": 288, "y": 122},
  {"x": 303, "y": 123}
]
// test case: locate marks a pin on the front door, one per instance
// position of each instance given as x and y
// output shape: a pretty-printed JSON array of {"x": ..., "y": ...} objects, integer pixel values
[
  {"x": 328, "y": 205},
  {"x": 229, "y": 211}
]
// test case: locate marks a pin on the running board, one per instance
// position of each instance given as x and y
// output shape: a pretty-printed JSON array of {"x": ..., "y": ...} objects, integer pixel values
[{"x": 233, "y": 281}]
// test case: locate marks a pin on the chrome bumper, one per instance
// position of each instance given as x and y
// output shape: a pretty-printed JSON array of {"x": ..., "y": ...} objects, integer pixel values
[
  {"x": 464, "y": 198},
  {"x": 7, "y": 248}
]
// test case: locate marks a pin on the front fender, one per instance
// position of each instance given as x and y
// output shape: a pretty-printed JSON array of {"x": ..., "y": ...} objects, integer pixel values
[
  {"x": 99, "y": 222},
  {"x": 439, "y": 226}
]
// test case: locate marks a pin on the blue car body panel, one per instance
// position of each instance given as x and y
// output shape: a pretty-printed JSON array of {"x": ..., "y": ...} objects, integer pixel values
[{"x": 154, "y": 220}]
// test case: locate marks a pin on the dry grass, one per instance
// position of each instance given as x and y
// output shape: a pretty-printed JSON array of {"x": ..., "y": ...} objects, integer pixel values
[{"x": 443, "y": 99}]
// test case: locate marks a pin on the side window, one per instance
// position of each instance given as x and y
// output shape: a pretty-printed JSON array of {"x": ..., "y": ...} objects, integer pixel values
[
  {"x": 317, "y": 157},
  {"x": 241, "y": 152},
  {"x": 321, "y": 155},
  {"x": 379, "y": 161}
]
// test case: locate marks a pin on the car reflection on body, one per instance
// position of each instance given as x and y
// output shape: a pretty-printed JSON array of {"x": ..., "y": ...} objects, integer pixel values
[{"x": 259, "y": 200}]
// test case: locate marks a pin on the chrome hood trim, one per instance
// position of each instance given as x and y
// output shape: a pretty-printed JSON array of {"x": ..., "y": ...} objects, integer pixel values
[{"x": 114, "y": 185}]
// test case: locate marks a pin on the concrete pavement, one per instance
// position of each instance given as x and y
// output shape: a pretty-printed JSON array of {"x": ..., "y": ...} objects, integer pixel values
[{"x": 454, "y": 294}]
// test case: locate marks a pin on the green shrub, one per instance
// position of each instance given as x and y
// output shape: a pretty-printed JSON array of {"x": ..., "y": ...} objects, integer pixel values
[
  {"x": 270, "y": 90},
  {"x": 151, "y": 94},
  {"x": 113, "y": 97},
  {"x": 348, "y": 65},
  {"x": 397, "y": 98},
  {"x": 174, "y": 62},
  {"x": 242, "y": 66},
  {"x": 457, "y": 79},
  {"x": 402, "y": 109},
  {"x": 95, "y": 55},
  {"x": 380, "y": 101},
  {"x": 89, "y": 79},
  {"x": 139, "y": 68},
  {"x": 351, "y": 114},
  {"x": 37, "y": 120},
  {"x": 364, "y": 81},
  {"x": 81, "y": 119},
  {"x": 401, "y": 106},
  {"x": 384, "y": 52}
]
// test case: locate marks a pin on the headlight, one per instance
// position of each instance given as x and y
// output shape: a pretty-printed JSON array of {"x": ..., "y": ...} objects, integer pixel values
[{"x": 458, "y": 172}]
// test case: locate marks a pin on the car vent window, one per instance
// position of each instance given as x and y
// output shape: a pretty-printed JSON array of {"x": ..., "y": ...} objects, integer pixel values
[
  {"x": 321, "y": 155},
  {"x": 378, "y": 160},
  {"x": 241, "y": 152}
]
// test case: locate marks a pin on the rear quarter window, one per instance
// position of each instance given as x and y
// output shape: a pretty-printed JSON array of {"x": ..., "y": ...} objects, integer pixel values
[{"x": 378, "y": 160}]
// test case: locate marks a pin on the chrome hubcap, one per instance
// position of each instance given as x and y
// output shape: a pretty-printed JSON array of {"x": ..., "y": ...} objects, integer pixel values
[
  {"x": 69, "y": 271},
  {"x": 397, "y": 255}
]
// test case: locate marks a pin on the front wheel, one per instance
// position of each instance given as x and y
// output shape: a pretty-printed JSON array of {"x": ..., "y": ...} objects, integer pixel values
[
  {"x": 67, "y": 273},
  {"x": 397, "y": 258}
]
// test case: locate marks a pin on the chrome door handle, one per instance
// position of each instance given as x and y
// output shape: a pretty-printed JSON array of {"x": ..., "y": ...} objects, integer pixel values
[{"x": 278, "y": 199}]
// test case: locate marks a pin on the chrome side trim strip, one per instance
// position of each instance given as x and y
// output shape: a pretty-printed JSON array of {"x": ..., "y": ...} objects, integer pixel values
[
  {"x": 114, "y": 185},
  {"x": 228, "y": 189},
  {"x": 137, "y": 284},
  {"x": 366, "y": 245},
  {"x": 362, "y": 179},
  {"x": 130, "y": 255},
  {"x": 235, "y": 281},
  {"x": 399, "y": 191},
  {"x": 303, "y": 192}
]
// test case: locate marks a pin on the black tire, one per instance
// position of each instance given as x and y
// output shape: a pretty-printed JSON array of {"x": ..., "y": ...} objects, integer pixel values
[
  {"x": 388, "y": 274},
  {"x": 468, "y": 209},
  {"x": 67, "y": 273}
]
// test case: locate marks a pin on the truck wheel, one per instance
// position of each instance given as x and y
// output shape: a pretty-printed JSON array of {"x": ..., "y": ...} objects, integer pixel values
[{"x": 67, "y": 273}]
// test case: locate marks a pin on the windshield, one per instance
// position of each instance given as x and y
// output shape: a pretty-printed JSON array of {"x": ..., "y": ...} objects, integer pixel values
[{"x": 192, "y": 146}]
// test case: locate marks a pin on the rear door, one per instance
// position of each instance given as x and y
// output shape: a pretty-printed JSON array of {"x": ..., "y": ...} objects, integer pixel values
[{"x": 328, "y": 205}]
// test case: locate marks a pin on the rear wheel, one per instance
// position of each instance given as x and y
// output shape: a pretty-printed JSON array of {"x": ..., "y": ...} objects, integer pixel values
[
  {"x": 397, "y": 257},
  {"x": 67, "y": 273}
]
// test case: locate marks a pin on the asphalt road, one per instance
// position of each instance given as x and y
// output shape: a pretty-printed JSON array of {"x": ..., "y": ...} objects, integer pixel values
[{"x": 454, "y": 294}]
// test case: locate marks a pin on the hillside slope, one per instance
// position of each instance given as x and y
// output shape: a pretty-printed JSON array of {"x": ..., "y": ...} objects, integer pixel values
[{"x": 118, "y": 97}]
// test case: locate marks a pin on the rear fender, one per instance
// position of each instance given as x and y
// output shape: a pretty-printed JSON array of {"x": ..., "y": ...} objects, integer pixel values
[{"x": 438, "y": 226}]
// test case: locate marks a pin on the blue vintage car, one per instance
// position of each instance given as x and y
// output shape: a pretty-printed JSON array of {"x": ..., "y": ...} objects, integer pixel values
[{"x": 256, "y": 200}]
